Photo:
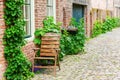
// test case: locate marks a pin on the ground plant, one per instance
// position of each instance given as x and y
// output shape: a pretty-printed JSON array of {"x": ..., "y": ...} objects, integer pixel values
[
  {"x": 97, "y": 28},
  {"x": 73, "y": 43},
  {"x": 105, "y": 26},
  {"x": 18, "y": 67}
]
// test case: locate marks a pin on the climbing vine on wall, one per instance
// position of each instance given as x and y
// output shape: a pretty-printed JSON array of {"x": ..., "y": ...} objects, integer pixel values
[{"x": 18, "y": 66}]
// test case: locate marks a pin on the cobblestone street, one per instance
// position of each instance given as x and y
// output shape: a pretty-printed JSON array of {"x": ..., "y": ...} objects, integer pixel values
[{"x": 101, "y": 61}]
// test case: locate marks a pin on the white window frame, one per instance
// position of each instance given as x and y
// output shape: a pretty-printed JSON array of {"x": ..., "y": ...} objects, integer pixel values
[
  {"x": 54, "y": 10},
  {"x": 32, "y": 22}
]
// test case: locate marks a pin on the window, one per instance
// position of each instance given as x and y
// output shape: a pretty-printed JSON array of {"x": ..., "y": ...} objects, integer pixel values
[
  {"x": 51, "y": 9},
  {"x": 28, "y": 11},
  {"x": 27, "y": 17}
]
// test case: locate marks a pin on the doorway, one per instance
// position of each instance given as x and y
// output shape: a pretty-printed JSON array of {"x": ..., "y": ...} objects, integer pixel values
[{"x": 78, "y": 12}]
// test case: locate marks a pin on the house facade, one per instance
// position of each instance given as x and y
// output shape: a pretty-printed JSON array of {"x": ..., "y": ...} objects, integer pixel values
[
  {"x": 62, "y": 11},
  {"x": 99, "y": 10},
  {"x": 116, "y": 8}
]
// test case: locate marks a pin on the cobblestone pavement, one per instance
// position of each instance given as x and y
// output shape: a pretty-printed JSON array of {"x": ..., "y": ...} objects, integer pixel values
[{"x": 102, "y": 61}]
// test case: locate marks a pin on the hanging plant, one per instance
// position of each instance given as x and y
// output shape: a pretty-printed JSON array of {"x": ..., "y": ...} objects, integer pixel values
[{"x": 18, "y": 65}]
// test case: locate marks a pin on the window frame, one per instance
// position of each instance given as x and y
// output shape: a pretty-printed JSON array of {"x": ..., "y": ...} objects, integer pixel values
[
  {"x": 32, "y": 21},
  {"x": 54, "y": 9}
]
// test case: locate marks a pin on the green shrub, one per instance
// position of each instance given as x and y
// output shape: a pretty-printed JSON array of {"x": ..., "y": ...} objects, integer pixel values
[
  {"x": 97, "y": 28},
  {"x": 18, "y": 67},
  {"x": 69, "y": 43},
  {"x": 73, "y": 43},
  {"x": 106, "y": 26},
  {"x": 118, "y": 22}
]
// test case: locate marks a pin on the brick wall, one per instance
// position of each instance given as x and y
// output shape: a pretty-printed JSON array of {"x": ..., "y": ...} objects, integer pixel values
[
  {"x": 63, "y": 12},
  {"x": 68, "y": 12},
  {"x": 2, "y": 28},
  {"x": 28, "y": 50},
  {"x": 40, "y": 12}
]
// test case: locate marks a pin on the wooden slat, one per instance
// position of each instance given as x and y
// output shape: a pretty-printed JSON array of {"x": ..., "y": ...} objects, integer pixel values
[
  {"x": 44, "y": 66},
  {"x": 47, "y": 50},
  {"x": 52, "y": 58},
  {"x": 50, "y": 46},
  {"x": 50, "y": 42},
  {"x": 48, "y": 54},
  {"x": 50, "y": 38}
]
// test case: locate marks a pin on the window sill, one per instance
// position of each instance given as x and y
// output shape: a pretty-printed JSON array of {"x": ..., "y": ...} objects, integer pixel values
[{"x": 29, "y": 39}]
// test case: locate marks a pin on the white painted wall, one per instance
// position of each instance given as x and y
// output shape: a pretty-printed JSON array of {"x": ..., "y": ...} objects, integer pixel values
[{"x": 102, "y": 4}]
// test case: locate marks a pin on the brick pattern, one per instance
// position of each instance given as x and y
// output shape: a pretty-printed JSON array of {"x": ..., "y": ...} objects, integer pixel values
[
  {"x": 28, "y": 50},
  {"x": 40, "y": 12},
  {"x": 2, "y": 28},
  {"x": 64, "y": 12}
]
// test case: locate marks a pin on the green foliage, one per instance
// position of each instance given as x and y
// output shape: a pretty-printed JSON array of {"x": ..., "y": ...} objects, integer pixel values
[
  {"x": 73, "y": 22},
  {"x": 73, "y": 43},
  {"x": 106, "y": 26},
  {"x": 97, "y": 28},
  {"x": 18, "y": 66},
  {"x": 109, "y": 24},
  {"x": 69, "y": 43},
  {"x": 48, "y": 26},
  {"x": 117, "y": 22}
]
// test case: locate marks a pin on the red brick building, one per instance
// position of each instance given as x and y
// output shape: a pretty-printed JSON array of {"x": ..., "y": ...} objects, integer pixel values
[{"x": 36, "y": 10}]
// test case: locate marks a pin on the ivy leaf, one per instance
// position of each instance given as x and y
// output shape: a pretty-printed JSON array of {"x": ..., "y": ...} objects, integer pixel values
[{"x": 37, "y": 41}]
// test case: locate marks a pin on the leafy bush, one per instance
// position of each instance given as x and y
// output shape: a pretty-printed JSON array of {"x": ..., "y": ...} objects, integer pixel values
[
  {"x": 48, "y": 26},
  {"x": 69, "y": 43},
  {"x": 73, "y": 43},
  {"x": 97, "y": 28},
  {"x": 106, "y": 26},
  {"x": 18, "y": 66},
  {"x": 109, "y": 24},
  {"x": 118, "y": 22},
  {"x": 73, "y": 22}
]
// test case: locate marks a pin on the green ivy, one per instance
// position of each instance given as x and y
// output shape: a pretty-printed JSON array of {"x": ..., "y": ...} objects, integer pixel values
[{"x": 18, "y": 66}]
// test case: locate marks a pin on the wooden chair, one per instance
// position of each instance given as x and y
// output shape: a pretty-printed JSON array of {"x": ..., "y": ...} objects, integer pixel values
[{"x": 49, "y": 50}]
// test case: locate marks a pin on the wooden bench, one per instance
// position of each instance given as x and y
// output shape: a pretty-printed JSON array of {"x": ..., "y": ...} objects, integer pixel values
[{"x": 49, "y": 50}]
